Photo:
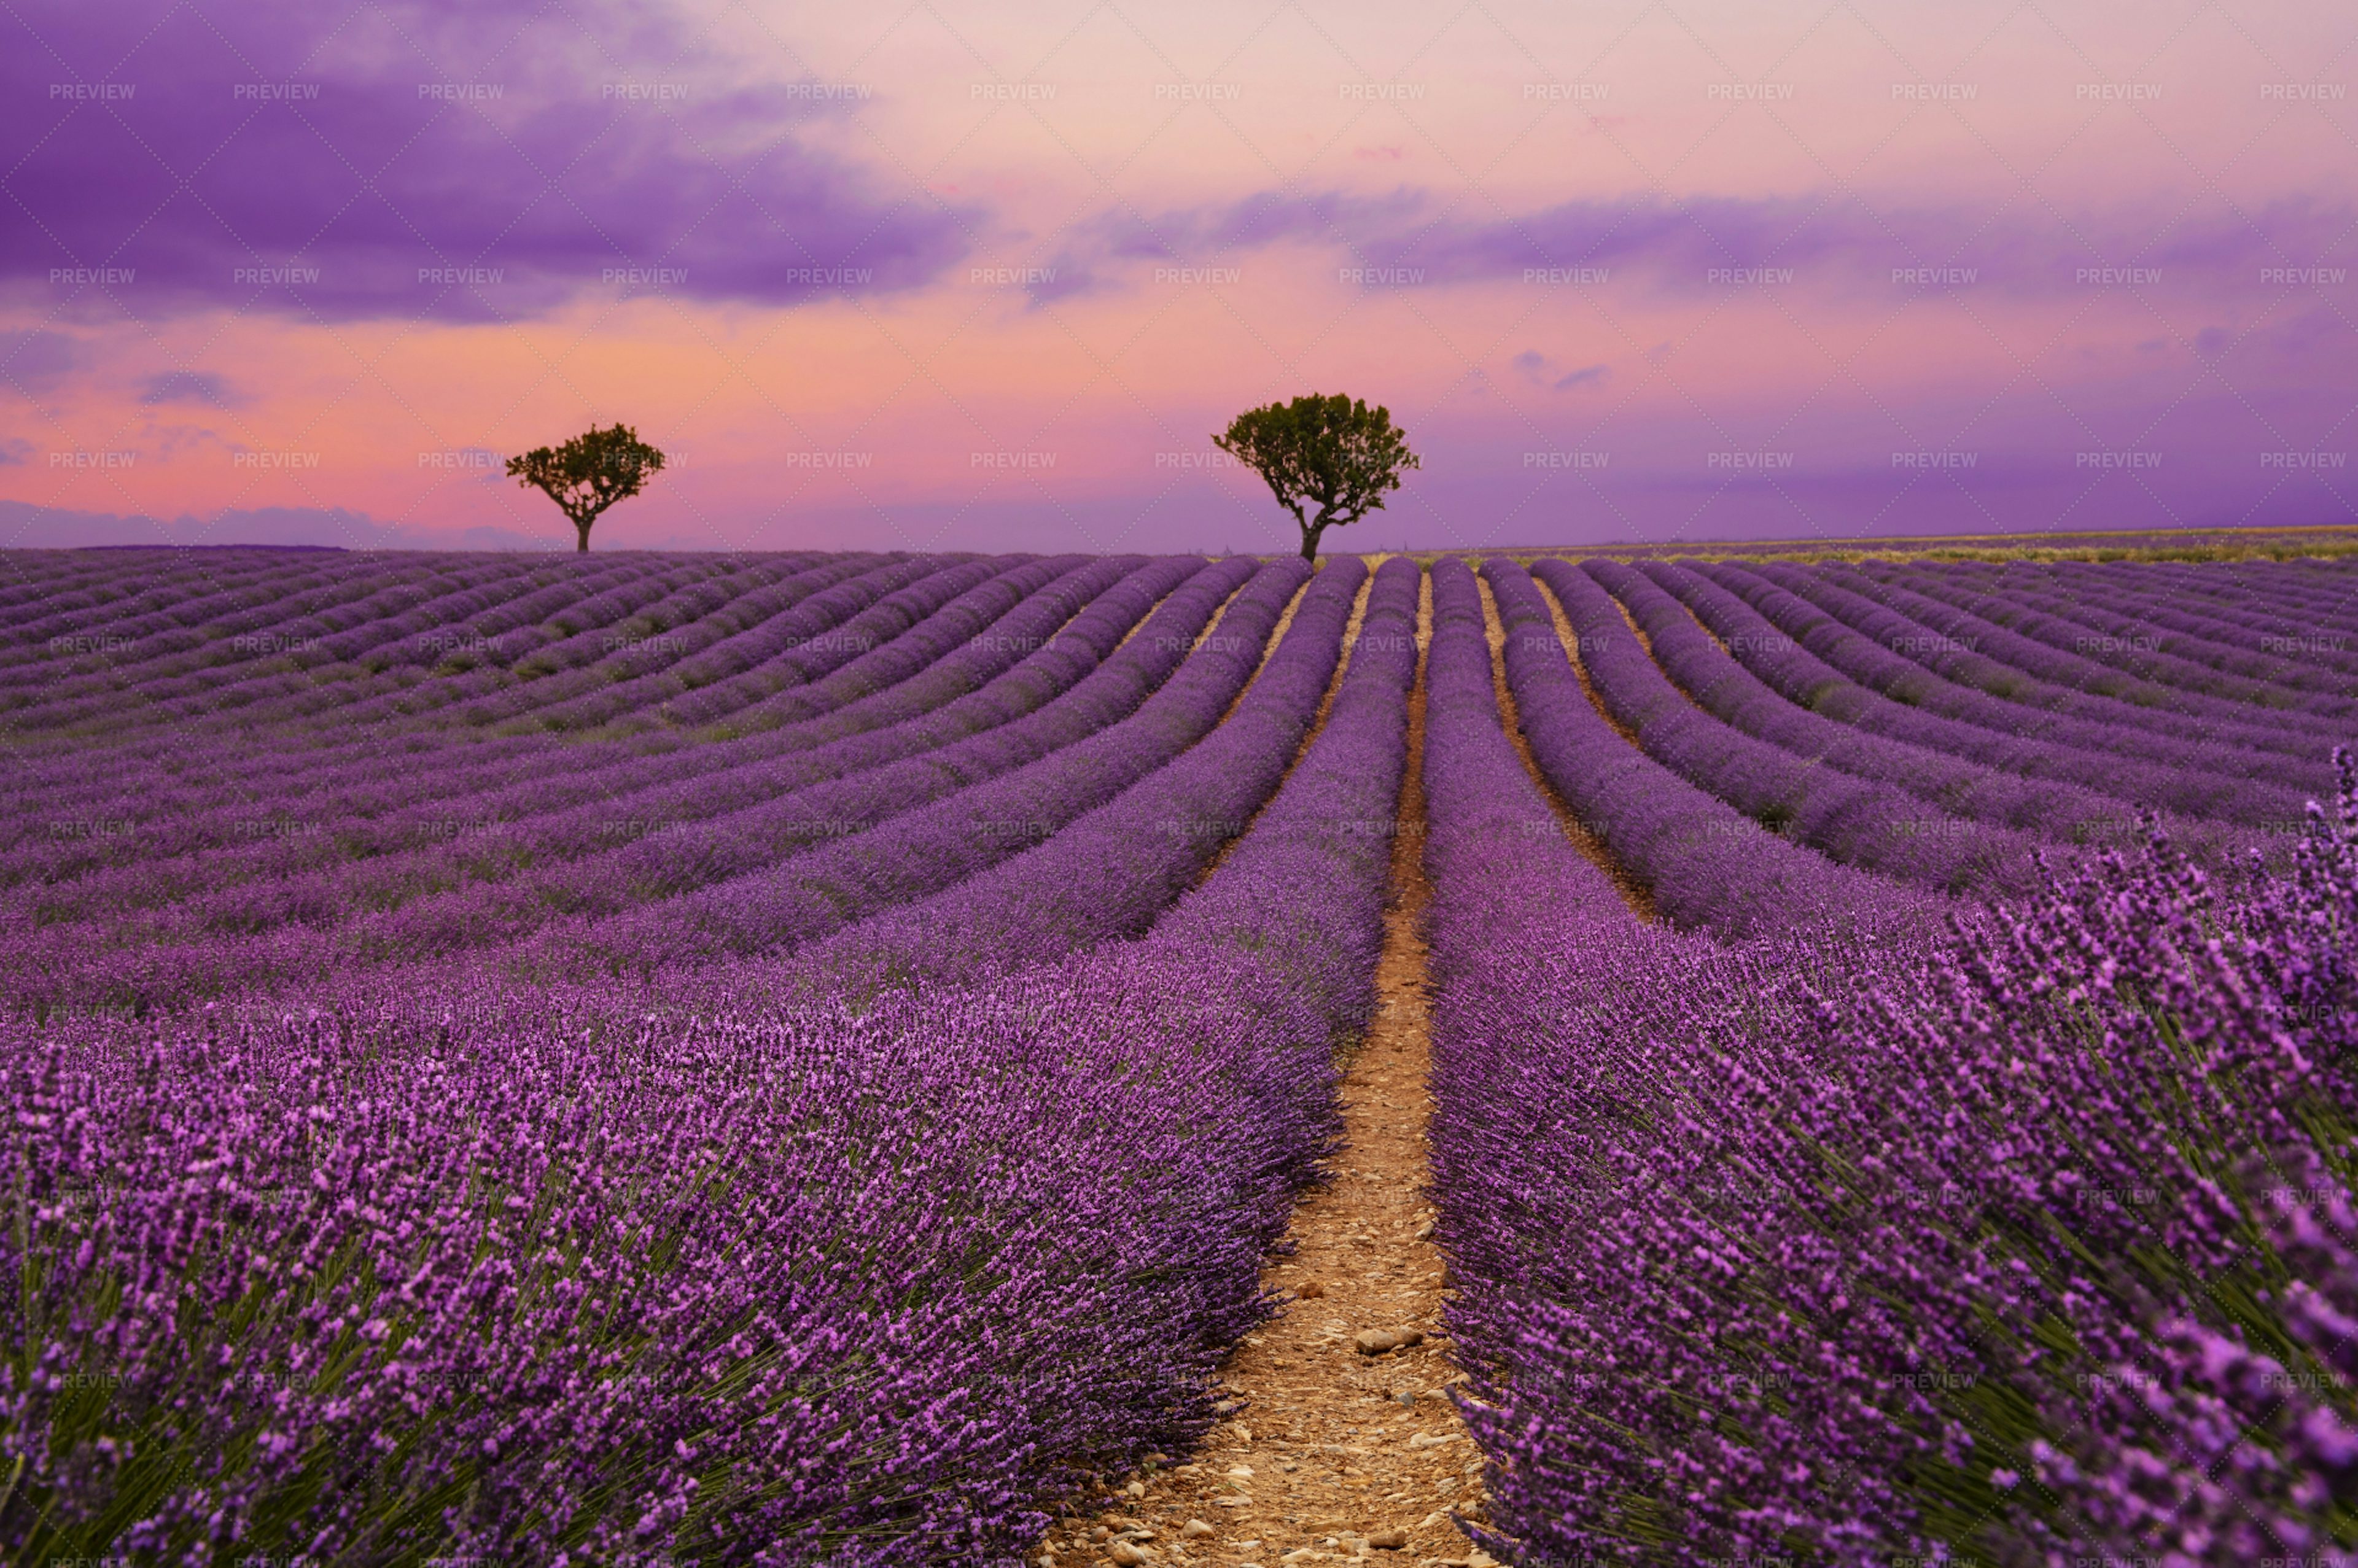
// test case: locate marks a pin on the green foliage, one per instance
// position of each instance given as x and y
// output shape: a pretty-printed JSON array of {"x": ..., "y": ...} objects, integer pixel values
[
  {"x": 589, "y": 472},
  {"x": 1334, "y": 453}
]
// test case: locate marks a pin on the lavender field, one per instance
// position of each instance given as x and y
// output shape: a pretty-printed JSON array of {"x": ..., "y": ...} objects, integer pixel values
[{"x": 797, "y": 1058}]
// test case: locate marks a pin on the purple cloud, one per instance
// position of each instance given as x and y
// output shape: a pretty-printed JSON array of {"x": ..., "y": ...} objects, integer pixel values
[
  {"x": 1540, "y": 370},
  {"x": 200, "y": 387},
  {"x": 1264, "y": 218},
  {"x": 482, "y": 162},
  {"x": 36, "y": 362},
  {"x": 1865, "y": 246},
  {"x": 1703, "y": 245},
  {"x": 1091, "y": 258}
]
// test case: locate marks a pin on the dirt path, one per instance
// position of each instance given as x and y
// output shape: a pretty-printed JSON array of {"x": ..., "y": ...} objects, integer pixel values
[
  {"x": 1336, "y": 1452},
  {"x": 1635, "y": 893},
  {"x": 1319, "y": 722},
  {"x": 1570, "y": 640}
]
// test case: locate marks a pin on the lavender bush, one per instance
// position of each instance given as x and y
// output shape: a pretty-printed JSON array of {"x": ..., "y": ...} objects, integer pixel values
[
  {"x": 562, "y": 805},
  {"x": 1112, "y": 870},
  {"x": 541, "y": 1274},
  {"x": 1716, "y": 682},
  {"x": 1706, "y": 864},
  {"x": 2270, "y": 641},
  {"x": 877, "y": 1153},
  {"x": 746, "y": 823},
  {"x": 1014, "y": 799},
  {"x": 2167, "y": 647},
  {"x": 2029, "y": 1247},
  {"x": 2146, "y": 769},
  {"x": 2045, "y": 668},
  {"x": 583, "y": 1273},
  {"x": 1910, "y": 660}
]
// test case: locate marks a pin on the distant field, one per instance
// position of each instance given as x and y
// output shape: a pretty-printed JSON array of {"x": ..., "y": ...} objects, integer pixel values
[{"x": 2327, "y": 543}]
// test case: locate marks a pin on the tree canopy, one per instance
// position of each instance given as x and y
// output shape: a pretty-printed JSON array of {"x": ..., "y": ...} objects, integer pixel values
[
  {"x": 1334, "y": 453},
  {"x": 589, "y": 472}
]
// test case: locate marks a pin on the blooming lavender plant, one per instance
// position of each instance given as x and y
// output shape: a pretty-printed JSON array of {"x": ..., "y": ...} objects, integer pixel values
[
  {"x": 2159, "y": 644},
  {"x": 1712, "y": 678},
  {"x": 2244, "y": 637},
  {"x": 2146, "y": 770},
  {"x": 1705, "y": 863},
  {"x": 2117, "y": 688},
  {"x": 581, "y": 1270},
  {"x": 380, "y": 860},
  {"x": 2032, "y": 1245},
  {"x": 914, "y": 852},
  {"x": 1798, "y": 1226},
  {"x": 1113, "y": 870},
  {"x": 1061, "y": 692},
  {"x": 1913, "y": 661}
]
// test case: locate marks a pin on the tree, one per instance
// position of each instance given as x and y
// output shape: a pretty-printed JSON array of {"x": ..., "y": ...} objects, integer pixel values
[
  {"x": 1335, "y": 453},
  {"x": 589, "y": 472}
]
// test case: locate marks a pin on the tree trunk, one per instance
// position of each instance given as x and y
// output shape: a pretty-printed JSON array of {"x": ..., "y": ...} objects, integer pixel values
[
  {"x": 583, "y": 547},
  {"x": 1310, "y": 532}
]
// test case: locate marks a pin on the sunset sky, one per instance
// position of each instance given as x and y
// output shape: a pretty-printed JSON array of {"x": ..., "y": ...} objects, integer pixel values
[{"x": 948, "y": 276}]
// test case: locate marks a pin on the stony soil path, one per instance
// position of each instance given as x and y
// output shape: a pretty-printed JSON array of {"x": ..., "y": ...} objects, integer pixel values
[
  {"x": 1344, "y": 1444},
  {"x": 1635, "y": 893}
]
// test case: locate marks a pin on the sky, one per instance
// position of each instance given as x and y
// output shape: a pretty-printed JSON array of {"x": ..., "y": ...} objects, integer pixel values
[{"x": 950, "y": 276}]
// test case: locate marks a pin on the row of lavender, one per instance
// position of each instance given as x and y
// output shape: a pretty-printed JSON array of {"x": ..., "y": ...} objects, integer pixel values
[
  {"x": 337, "y": 737},
  {"x": 1286, "y": 981},
  {"x": 1833, "y": 719},
  {"x": 635, "y": 1274},
  {"x": 660, "y": 633},
  {"x": 1003, "y": 675},
  {"x": 1841, "y": 1239},
  {"x": 1133, "y": 792},
  {"x": 354, "y": 821},
  {"x": 814, "y": 642},
  {"x": 854, "y": 687}
]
